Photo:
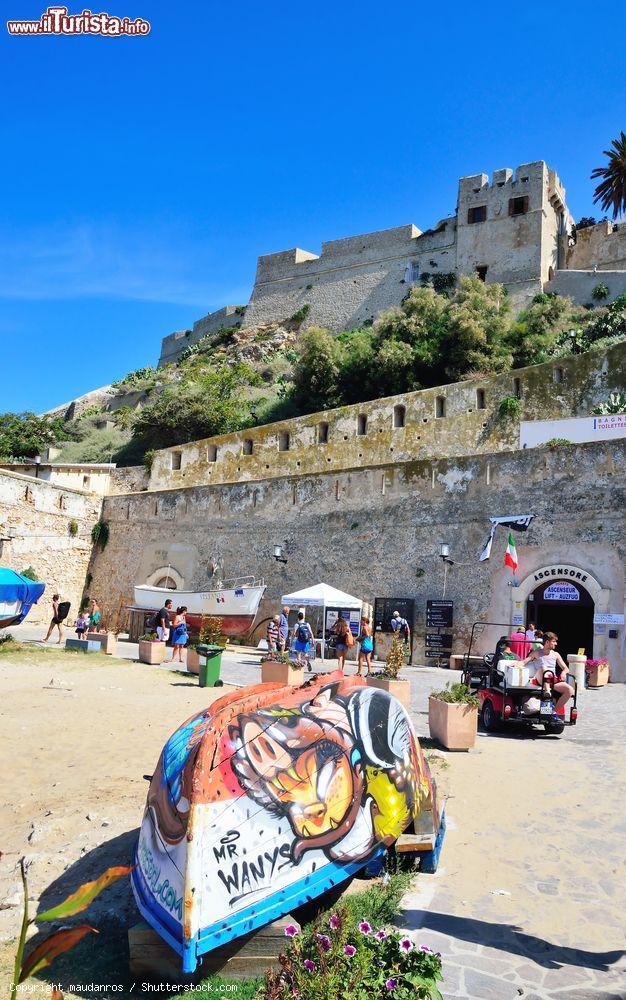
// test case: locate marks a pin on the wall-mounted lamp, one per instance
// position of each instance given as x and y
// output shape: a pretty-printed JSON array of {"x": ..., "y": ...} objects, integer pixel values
[
  {"x": 444, "y": 554},
  {"x": 278, "y": 554}
]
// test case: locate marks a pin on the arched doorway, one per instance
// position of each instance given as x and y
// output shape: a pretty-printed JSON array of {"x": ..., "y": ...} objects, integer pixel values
[
  {"x": 166, "y": 581},
  {"x": 566, "y": 607}
]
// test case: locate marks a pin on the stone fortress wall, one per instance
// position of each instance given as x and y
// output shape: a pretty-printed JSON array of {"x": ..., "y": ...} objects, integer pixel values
[
  {"x": 35, "y": 520},
  {"x": 375, "y": 532},
  {"x": 451, "y": 420},
  {"x": 514, "y": 230}
]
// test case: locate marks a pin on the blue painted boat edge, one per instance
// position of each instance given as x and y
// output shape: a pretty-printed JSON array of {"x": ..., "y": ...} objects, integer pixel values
[
  {"x": 153, "y": 913},
  {"x": 278, "y": 904}
]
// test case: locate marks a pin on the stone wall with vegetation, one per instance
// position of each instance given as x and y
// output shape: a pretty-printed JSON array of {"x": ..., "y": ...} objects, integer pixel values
[
  {"x": 376, "y": 532},
  {"x": 469, "y": 422},
  {"x": 48, "y": 529}
]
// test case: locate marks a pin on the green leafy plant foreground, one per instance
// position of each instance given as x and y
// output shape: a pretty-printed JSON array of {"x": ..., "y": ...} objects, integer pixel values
[{"x": 456, "y": 694}]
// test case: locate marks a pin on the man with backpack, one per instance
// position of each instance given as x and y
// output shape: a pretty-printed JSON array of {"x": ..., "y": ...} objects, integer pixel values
[
  {"x": 60, "y": 611},
  {"x": 401, "y": 625},
  {"x": 163, "y": 621},
  {"x": 302, "y": 637}
]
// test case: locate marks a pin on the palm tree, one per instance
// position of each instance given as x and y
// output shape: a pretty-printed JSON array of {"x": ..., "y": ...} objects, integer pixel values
[{"x": 611, "y": 193}]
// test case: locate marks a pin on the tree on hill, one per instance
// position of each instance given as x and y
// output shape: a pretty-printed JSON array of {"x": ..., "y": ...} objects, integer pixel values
[
  {"x": 611, "y": 191},
  {"x": 24, "y": 435}
]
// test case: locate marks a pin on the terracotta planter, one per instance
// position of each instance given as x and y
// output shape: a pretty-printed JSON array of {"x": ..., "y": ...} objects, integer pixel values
[
  {"x": 281, "y": 673},
  {"x": 399, "y": 689},
  {"x": 454, "y": 726},
  {"x": 151, "y": 651},
  {"x": 193, "y": 660},
  {"x": 598, "y": 675},
  {"x": 107, "y": 640}
]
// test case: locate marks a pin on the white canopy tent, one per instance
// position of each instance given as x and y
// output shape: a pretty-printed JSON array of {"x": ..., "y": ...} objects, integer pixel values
[{"x": 321, "y": 596}]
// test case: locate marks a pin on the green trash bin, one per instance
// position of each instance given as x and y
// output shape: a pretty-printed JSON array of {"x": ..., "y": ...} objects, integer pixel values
[{"x": 209, "y": 665}]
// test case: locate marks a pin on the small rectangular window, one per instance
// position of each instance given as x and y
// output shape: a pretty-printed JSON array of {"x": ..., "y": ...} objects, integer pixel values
[
  {"x": 558, "y": 375},
  {"x": 518, "y": 206},
  {"x": 517, "y": 388},
  {"x": 476, "y": 214},
  {"x": 414, "y": 271},
  {"x": 480, "y": 399},
  {"x": 177, "y": 459},
  {"x": 211, "y": 453},
  {"x": 248, "y": 446},
  {"x": 399, "y": 415},
  {"x": 362, "y": 424},
  {"x": 322, "y": 433},
  {"x": 283, "y": 441},
  {"x": 440, "y": 406},
  {"x": 481, "y": 272}
]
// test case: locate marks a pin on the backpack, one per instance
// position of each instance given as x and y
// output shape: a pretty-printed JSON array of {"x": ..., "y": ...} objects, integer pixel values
[
  {"x": 63, "y": 610},
  {"x": 302, "y": 632},
  {"x": 152, "y": 621}
]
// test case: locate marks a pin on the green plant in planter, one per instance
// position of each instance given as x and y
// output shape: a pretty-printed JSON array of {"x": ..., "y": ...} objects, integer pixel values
[
  {"x": 396, "y": 658},
  {"x": 456, "y": 694},
  {"x": 149, "y": 637}
]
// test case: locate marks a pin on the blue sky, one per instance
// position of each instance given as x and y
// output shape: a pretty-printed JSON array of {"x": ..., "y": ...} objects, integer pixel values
[{"x": 142, "y": 177}]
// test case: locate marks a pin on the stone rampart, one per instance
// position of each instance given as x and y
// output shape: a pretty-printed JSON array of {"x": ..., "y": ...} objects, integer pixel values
[
  {"x": 37, "y": 521},
  {"x": 602, "y": 246},
  {"x": 579, "y": 285},
  {"x": 175, "y": 343},
  {"x": 452, "y": 420},
  {"x": 376, "y": 532}
]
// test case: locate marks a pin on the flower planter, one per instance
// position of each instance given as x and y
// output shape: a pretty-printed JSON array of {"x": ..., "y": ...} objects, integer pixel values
[
  {"x": 399, "y": 689},
  {"x": 107, "y": 640},
  {"x": 597, "y": 674},
  {"x": 193, "y": 660},
  {"x": 274, "y": 672},
  {"x": 151, "y": 651},
  {"x": 453, "y": 725}
]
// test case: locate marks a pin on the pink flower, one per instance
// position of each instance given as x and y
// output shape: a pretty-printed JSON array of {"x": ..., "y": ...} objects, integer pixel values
[
  {"x": 424, "y": 947},
  {"x": 309, "y": 965},
  {"x": 334, "y": 921},
  {"x": 406, "y": 944},
  {"x": 381, "y": 935},
  {"x": 349, "y": 950},
  {"x": 365, "y": 928},
  {"x": 391, "y": 984},
  {"x": 324, "y": 941},
  {"x": 291, "y": 930}
]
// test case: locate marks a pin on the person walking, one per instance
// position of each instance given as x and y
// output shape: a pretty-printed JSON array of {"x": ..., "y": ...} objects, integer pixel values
[
  {"x": 179, "y": 634},
  {"x": 302, "y": 636},
  {"x": 366, "y": 647},
  {"x": 283, "y": 629},
  {"x": 163, "y": 620},
  {"x": 401, "y": 625},
  {"x": 95, "y": 616},
  {"x": 341, "y": 629},
  {"x": 60, "y": 611},
  {"x": 273, "y": 633}
]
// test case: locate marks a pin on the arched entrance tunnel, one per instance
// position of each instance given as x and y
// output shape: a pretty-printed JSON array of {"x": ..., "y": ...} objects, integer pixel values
[{"x": 565, "y": 607}]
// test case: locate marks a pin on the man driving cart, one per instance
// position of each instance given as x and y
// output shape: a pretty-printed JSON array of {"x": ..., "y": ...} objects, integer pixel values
[{"x": 548, "y": 660}]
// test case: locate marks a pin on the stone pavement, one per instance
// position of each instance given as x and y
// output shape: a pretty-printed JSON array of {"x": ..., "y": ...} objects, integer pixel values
[{"x": 530, "y": 897}]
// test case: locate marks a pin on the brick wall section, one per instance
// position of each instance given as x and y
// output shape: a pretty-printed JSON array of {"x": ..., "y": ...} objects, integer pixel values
[
  {"x": 464, "y": 430},
  {"x": 39, "y": 514},
  {"x": 376, "y": 532}
]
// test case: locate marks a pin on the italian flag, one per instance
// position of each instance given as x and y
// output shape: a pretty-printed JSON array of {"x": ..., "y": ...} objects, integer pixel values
[{"x": 510, "y": 558}]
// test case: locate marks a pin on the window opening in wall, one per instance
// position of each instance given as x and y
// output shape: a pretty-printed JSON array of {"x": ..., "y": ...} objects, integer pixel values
[
  {"x": 477, "y": 214},
  {"x": 61, "y": 503},
  {"x": 399, "y": 415},
  {"x": 336, "y": 489},
  {"x": 362, "y": 424},
  {"x": 283, "y": 441},
  {"x": 167, "y": 582},
  {"x": 86, "y": 482},
  {"x": 322, "y": 433},
  {"x": 550, "y": 273},
  {"x": 413, "y": 271},
  {"x": 176, "y": 459},
  {"x": 480, "y": 399},
  {"x": 518, "y": 206},
  {"x": 481, "y": 272},
  {"x": 440, "y": 406},
  {"x": 558, "y": 375},
  {"x": 211, "y": 453},
  {"x": 517, "y": 388},
  {"x": 248, "y": 446}
]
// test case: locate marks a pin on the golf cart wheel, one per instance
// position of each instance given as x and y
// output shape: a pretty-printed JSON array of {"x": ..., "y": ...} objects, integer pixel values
[
  {"x": 555, "y": 727},
  {"x": 488, "y": 717}
]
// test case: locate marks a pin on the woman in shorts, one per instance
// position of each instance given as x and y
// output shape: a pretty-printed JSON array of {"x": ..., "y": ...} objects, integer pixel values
[
  {"x": 179, "y": 634},
  {"x": 366, "y": 648}
]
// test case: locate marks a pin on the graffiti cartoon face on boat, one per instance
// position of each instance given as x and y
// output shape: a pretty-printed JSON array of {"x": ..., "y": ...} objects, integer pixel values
[{"x": 343, "y": 770}]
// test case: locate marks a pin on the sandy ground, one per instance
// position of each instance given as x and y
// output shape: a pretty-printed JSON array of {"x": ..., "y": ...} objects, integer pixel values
[{"x": 536, "y": 826}]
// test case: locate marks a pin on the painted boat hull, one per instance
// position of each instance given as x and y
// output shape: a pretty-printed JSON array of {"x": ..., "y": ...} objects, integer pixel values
[
  {"x": 237, "y": 607},
  {"x": 270, "y": 798}
]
